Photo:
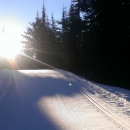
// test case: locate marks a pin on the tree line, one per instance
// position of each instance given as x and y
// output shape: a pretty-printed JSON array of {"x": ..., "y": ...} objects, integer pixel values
[{"x": 91, "y": 39}]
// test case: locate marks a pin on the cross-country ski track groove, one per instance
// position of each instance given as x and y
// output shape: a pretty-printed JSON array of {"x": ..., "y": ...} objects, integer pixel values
[{"x": 115, "y": 119}]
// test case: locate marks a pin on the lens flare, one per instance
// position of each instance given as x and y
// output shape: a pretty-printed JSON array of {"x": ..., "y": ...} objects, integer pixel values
[{"x": 9, "y": 46}]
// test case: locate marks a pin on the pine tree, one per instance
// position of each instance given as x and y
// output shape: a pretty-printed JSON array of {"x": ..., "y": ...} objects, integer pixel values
[
  {"x": 55, "y": 45},
  {"x": 64, "y": 36},
  {"x": 32, "y": 36},
  {"x": 71, "y": 28},
  {"x": 106, "y": 28},
  {"x": 37, "y": 37}
]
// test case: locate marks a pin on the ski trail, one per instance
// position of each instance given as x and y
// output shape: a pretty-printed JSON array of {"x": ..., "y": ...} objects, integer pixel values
[
  {"x": 93, "y": 91},
  {"x": 57, "y": 99}
]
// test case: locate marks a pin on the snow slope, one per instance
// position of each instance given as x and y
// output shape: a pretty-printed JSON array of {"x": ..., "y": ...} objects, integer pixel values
[{"x": 57, "y": 99}]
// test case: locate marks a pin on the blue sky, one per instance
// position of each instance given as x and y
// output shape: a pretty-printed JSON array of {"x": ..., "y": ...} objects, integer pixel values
[{"x": 16, "y": 14}]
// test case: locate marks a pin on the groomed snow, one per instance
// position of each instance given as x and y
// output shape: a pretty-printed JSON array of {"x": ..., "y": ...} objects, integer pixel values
[{"x": 54, "y": 99}]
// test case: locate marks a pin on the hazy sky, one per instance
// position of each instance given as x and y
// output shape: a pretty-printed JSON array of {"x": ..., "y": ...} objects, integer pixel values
[{"x": 15, "y": 14}]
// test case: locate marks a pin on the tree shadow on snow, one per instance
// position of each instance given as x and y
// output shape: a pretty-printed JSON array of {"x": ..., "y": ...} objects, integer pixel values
[{"x": 27, "y": 91}]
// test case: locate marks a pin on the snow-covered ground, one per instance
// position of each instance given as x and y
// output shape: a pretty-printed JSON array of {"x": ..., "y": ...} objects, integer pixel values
[{"x": 60, "y": 100}]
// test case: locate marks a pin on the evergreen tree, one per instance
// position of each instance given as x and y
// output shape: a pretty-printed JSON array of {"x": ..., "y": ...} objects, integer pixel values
[
  {"x": 74, "y": 31},
  {"x": 64, "y": 36},
  {"x": 37, "y": 36},
  {"x": 55, "y": 45},
  {"x": 32, "y": 36},
  {"x": 94, "y": 34},
  {"x": 108, "y": 33}
]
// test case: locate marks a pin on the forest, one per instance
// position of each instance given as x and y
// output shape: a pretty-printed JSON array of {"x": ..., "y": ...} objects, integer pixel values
[{"x": 90, "y": 40}]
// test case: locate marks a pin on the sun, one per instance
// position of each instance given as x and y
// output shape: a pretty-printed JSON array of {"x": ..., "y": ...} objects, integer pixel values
[{"x": 10, "y": 45}]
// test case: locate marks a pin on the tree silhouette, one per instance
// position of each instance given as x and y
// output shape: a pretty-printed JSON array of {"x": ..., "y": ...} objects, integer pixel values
[{"x": 92, "y": 38}]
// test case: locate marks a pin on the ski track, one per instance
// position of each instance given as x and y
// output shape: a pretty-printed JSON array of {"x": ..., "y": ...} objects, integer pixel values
[
  {"x": 95, "y": 92},
  {"x": 108, "y": 103},
  {"x": 113, "y": 102}
]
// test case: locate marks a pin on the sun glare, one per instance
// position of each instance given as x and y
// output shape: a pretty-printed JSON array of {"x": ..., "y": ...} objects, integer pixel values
[{"x": 10, "y": 45}]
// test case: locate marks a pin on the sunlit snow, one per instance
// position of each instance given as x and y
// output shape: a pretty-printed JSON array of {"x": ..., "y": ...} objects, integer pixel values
[{"x": 55, "y": 100}]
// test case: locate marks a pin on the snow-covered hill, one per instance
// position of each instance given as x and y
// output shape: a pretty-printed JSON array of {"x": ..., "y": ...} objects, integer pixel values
[{"x": 57, "y": 99}]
